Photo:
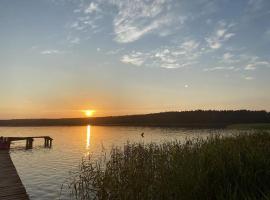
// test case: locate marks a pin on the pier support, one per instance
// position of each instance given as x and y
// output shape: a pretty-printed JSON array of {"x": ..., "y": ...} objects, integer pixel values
[
  {"x": 29, "y": 143},
  {"x": 48, "y": 142}
]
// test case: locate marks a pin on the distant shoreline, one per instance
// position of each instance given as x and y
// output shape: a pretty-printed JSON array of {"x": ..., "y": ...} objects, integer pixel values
[{"x": 185, "y": 119}]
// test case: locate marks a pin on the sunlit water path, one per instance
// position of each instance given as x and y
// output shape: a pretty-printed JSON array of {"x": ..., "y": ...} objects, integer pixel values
[{"x": 43, "y": 171}]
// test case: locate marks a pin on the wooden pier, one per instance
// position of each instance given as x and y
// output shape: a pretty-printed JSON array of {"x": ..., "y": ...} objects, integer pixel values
[
  {"x": 29, "y": 141},
  {"x": 11, "y": 187}
]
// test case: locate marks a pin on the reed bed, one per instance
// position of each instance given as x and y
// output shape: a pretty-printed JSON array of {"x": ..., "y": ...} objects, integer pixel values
[{"x": 218, "y": 167}]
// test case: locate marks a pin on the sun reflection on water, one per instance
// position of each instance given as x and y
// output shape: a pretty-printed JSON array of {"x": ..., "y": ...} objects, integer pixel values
[{"x": 88, "y": 136}]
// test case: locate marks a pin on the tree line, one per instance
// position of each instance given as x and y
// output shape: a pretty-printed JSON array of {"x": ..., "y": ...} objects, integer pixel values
[{"x": 196, "y": 118}]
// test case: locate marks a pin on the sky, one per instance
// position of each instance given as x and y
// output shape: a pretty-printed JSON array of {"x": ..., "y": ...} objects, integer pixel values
[{"x": 59, "y": 57}]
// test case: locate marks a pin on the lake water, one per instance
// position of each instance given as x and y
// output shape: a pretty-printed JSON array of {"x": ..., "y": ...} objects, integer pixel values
[{"x": 43, "y": 170}]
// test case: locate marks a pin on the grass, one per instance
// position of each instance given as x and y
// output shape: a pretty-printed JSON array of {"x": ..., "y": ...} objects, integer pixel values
[
  {"x": 216, "y": 168},
  {"x": 257, "y": 126}
]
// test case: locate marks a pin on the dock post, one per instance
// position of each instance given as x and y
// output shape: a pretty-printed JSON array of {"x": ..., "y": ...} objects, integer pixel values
[
  {"x": 51, "y": 142},
  {"x": 29, "y": 143},
  {"x": 47, "y": 142}
]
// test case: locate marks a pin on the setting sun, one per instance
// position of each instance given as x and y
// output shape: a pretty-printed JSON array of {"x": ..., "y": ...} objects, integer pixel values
[{"x": 89, "y": 113}]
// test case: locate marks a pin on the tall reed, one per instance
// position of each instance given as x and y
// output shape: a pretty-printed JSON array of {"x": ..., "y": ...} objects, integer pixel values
[{"x": 216, "y": 168}]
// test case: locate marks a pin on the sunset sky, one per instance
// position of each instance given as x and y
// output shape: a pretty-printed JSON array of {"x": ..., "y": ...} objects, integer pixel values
[{"x": 60, "y": 57}]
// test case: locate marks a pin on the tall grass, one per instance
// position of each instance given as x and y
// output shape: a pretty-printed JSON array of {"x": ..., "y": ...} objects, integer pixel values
[{"x": 216, "y": 168}]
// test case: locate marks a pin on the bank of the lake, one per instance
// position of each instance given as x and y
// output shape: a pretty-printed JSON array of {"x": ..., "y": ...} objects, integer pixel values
[
  {"x": 256, "y": 126},
  {"x": 235, "y": 167}
]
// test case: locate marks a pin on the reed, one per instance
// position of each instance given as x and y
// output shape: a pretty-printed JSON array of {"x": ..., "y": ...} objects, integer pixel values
[{"x": 214, "y": 168}]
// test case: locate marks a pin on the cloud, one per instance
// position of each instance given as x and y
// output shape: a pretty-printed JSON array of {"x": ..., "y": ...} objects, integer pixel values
[
  {"x": 93, "y": 7},
  {"x": 221, "y": 35},
  {"x": 227, "y": 56},
  {"x": 84, "y": 22},
  {"x": 206, "y": 47},
  {"x": 255, "y": 65},
  {"x": 75, "y": 40},
  {"x": 190, "y": 45},
  {"x": 127, "y": 32},
  {"x": 131, "y": 19},
  {"x": 134, "y": 59},
  {"x": 249, "y": 78},
  {"x": 214, "y": 44},
  {"x": 220, "y": 68},
  {"x": 138, "y": 18},
  {"x": 250, "y": 67},
  {"x": 221, "y": 32},
  {"x": 51, "y": 51},
  {"x": 115, "y": 51},
  {"x": 184, "y": 55}
]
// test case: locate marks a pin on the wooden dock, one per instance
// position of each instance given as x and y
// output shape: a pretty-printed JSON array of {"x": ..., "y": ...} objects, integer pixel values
[
  {"x": 5, "y": 142},
  {"x": 11, "y": 187}
]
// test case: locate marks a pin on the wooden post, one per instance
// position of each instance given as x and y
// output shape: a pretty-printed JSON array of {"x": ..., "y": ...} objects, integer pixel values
[
  {"x": 29, "y": 143},
  {"x": 50, "y": 142},
  {"x": 47, "y": 142},
  {"x": 26, "y": 144},
  {"x": 8, "y": 144}
]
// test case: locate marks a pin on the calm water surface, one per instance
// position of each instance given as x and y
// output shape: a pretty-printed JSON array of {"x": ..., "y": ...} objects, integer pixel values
[{"x": 43, "y": 171}]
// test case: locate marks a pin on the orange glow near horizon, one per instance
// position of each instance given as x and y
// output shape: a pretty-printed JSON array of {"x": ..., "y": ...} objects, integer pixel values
[{"x": 89, "y": 113}]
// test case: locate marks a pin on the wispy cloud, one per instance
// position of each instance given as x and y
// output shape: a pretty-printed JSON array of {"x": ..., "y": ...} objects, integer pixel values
[
  {"x": 84, "y": 22},
  {"x": 221, "y": 35},
  {"x": 255, "y": 64},
  {"x": 227, "y": 56},
  {"x": 135, "y": 58},
  {"x": 220, "y": 68},
  {"x": 184, "y": 55},
  {"x": 75, "y": 40},
  {"x": 114, "y": 51},
  {"x": 51, "y": 51},
  {"x": 127, "y": 31},
  {"x": 138, "y": 18},
  {"x": 93, "y": 7},
  {"x": 249, "y": 78},
  {"x": 131, "y": 20}
]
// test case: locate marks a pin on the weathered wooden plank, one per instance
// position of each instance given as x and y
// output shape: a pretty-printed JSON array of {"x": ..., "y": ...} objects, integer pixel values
[
  {"x": 11, "y": 187},
  {"x": 16, "y": 197}
]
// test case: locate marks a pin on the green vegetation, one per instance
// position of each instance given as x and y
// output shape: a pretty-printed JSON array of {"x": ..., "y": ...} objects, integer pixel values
[
  {"x": 260, "y": 126},
  {"x": 216, "y": 168}
]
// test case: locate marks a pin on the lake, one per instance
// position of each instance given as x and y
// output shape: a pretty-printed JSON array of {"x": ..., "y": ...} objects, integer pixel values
[{"x": 43, "y": 170}]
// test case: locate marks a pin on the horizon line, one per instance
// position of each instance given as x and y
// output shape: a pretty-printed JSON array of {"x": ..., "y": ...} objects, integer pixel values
[{"x": 124, "y": 115}]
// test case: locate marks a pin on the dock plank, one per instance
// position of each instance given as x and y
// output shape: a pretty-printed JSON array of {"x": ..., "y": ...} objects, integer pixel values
[{"x": 11, "y": 187}]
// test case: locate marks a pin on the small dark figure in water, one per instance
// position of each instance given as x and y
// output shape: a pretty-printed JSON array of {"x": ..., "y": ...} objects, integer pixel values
[{"x": 142, "y": 134}]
